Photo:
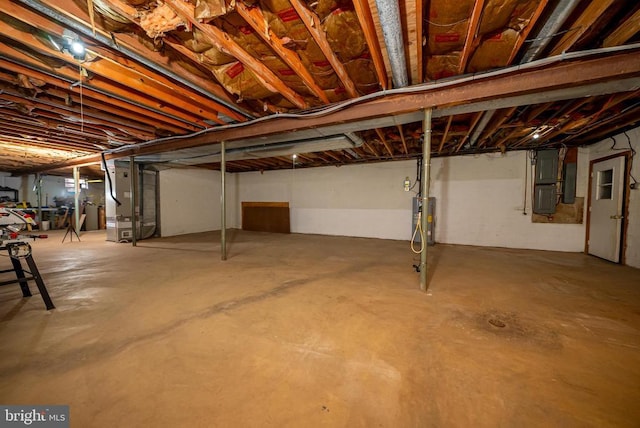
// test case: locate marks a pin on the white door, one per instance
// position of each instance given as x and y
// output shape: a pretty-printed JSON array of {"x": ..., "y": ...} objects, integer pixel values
[{"x": 606, "y": 216}]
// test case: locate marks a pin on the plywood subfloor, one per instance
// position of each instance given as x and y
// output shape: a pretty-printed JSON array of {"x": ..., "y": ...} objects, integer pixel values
[{"x": 298, "y": 330}]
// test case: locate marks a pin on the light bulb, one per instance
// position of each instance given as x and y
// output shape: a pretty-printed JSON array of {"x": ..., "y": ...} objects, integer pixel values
[{"x": 77, "y": 48}]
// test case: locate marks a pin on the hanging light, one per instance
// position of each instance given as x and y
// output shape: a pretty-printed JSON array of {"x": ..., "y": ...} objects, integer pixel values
[
  {"x": 77, "y": 48},
  {"x": 72, "y": 44},
  {"x": 536, "y": 135}
]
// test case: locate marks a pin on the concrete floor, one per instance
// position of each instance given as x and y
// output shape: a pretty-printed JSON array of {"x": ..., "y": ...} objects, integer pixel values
[{"x": 306, "y": 331}]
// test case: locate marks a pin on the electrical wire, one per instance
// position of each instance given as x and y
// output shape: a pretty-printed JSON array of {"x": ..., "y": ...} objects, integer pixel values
[
  {"x": 106, "y": 171},
  {"x": 633, "y": 154},
  {"x": 323, "y": 111},
  {"x": 415, "y": 232},
  {"x": 418, "y": 175}
]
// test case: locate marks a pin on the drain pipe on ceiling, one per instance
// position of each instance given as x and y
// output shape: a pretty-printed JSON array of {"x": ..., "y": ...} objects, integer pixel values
[
  {"x": 223, "y": 204},
  {"x": 424, "y": 182},
  {"x": 389, "y": 14},
  {"x": 551, "y": 27}
]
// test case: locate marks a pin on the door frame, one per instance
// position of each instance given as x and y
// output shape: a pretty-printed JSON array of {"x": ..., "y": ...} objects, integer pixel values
[{"x": 625, "y": 202}]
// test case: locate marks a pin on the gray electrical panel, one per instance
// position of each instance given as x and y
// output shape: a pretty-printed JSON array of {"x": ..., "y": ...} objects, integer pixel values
[
  {"x": 546, "y": 166},
  {"x": 431, "y": 237},
  {"x": 544, "y": 200}
]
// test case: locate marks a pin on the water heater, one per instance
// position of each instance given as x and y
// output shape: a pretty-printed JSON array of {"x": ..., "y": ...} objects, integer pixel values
[{"x": 417, "y": 203}]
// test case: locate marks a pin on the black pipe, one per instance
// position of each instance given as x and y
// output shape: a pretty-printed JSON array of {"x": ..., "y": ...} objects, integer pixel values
[{"x": 106, "y": 170}]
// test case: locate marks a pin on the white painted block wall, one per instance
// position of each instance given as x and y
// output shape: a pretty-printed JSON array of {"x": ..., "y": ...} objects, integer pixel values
[
  {"x": 479, "y": 200},
  {"x": 190, "y": 201},
  {"x": 355, "y": 200}
]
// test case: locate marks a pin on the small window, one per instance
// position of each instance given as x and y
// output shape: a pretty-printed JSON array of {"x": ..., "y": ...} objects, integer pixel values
[
  {"x": 605, "y": 184},
  {"x": 69, "y": 184}
]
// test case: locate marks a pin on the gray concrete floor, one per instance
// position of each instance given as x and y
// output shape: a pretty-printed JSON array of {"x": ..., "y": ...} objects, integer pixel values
[{"x": 306, "y": 331}]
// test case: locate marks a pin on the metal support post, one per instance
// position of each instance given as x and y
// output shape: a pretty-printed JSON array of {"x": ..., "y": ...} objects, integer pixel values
[
  {"x": 426, "y": 174},
  {"x": 223, "y": 203},
  {"x": 134, "y": 197},
  {"x": 76, "y": 197},
  {"x": 39, "y": 198}
]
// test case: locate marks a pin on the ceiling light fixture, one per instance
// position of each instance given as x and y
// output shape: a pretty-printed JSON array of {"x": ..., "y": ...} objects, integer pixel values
[
  {"x": 72, "y": 44},
  {"x": 536, "y": 135},
  {"x": 77, "y": 48}
]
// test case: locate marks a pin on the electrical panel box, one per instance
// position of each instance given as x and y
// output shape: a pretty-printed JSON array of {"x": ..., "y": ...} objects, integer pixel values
[
  {"x": 546, "y": 166},
  {"x": 431, "y": 237},
  {"x": 545, "y": 199}
]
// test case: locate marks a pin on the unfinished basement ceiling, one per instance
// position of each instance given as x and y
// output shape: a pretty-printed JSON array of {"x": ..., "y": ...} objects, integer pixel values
[{"x": 159, "y": 77}]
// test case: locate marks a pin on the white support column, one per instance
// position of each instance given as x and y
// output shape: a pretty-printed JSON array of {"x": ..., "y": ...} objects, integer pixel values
[{"x": 76, "y": 197}]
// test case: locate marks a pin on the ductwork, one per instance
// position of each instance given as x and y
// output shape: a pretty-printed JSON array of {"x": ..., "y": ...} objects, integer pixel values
[
  {"x": 389, "y": 14},
  {"x": 550, "y": 28}
]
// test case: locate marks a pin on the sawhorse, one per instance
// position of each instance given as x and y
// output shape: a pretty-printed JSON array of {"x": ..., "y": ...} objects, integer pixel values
[{"x": 22, "y": 279}]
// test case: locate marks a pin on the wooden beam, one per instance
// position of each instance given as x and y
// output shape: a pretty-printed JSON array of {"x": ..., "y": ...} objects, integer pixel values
[
  {"x": 312, "y": 22},
  {"x": 256, "y": 19},
  {"x": 522, "y": 35},
  {"x": 19, "y": 61},
  {"x": 472, "y": 125},
  {"x": 89, "y": 93},
  {"x": 471, "y": 42},
  {"x": 119, "y": 75},
  {"x": 371, "y": 148},
  {"x": 445, "y": 134},
  {"x": 384, "y": 141},
  {"x": 223, "y": 42},
  {"x": 624, "y": 31},
  {"x": 506, "y": 114},
  {"x": 70, "y": 10},
  {"x": 404, "y": 141},
  {"x": 536, "y": 111},
  {"x": 516, "y": 82},
  {"x": 589, "y": 15},
  {"x": 116, "y": 112},
  {"x": 90, "y": 115},
  {"x": 419, "y": 36},
  {"x": 630, "y": 118},
  {"x": 363, "y": 12}
]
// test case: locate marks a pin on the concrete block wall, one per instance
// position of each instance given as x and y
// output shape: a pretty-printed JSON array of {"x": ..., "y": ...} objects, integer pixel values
[{"x": 480, "y": 200}]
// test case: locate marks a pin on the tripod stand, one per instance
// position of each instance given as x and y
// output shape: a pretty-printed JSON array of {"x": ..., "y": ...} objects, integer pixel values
[{"x": 71, "y": 231}]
